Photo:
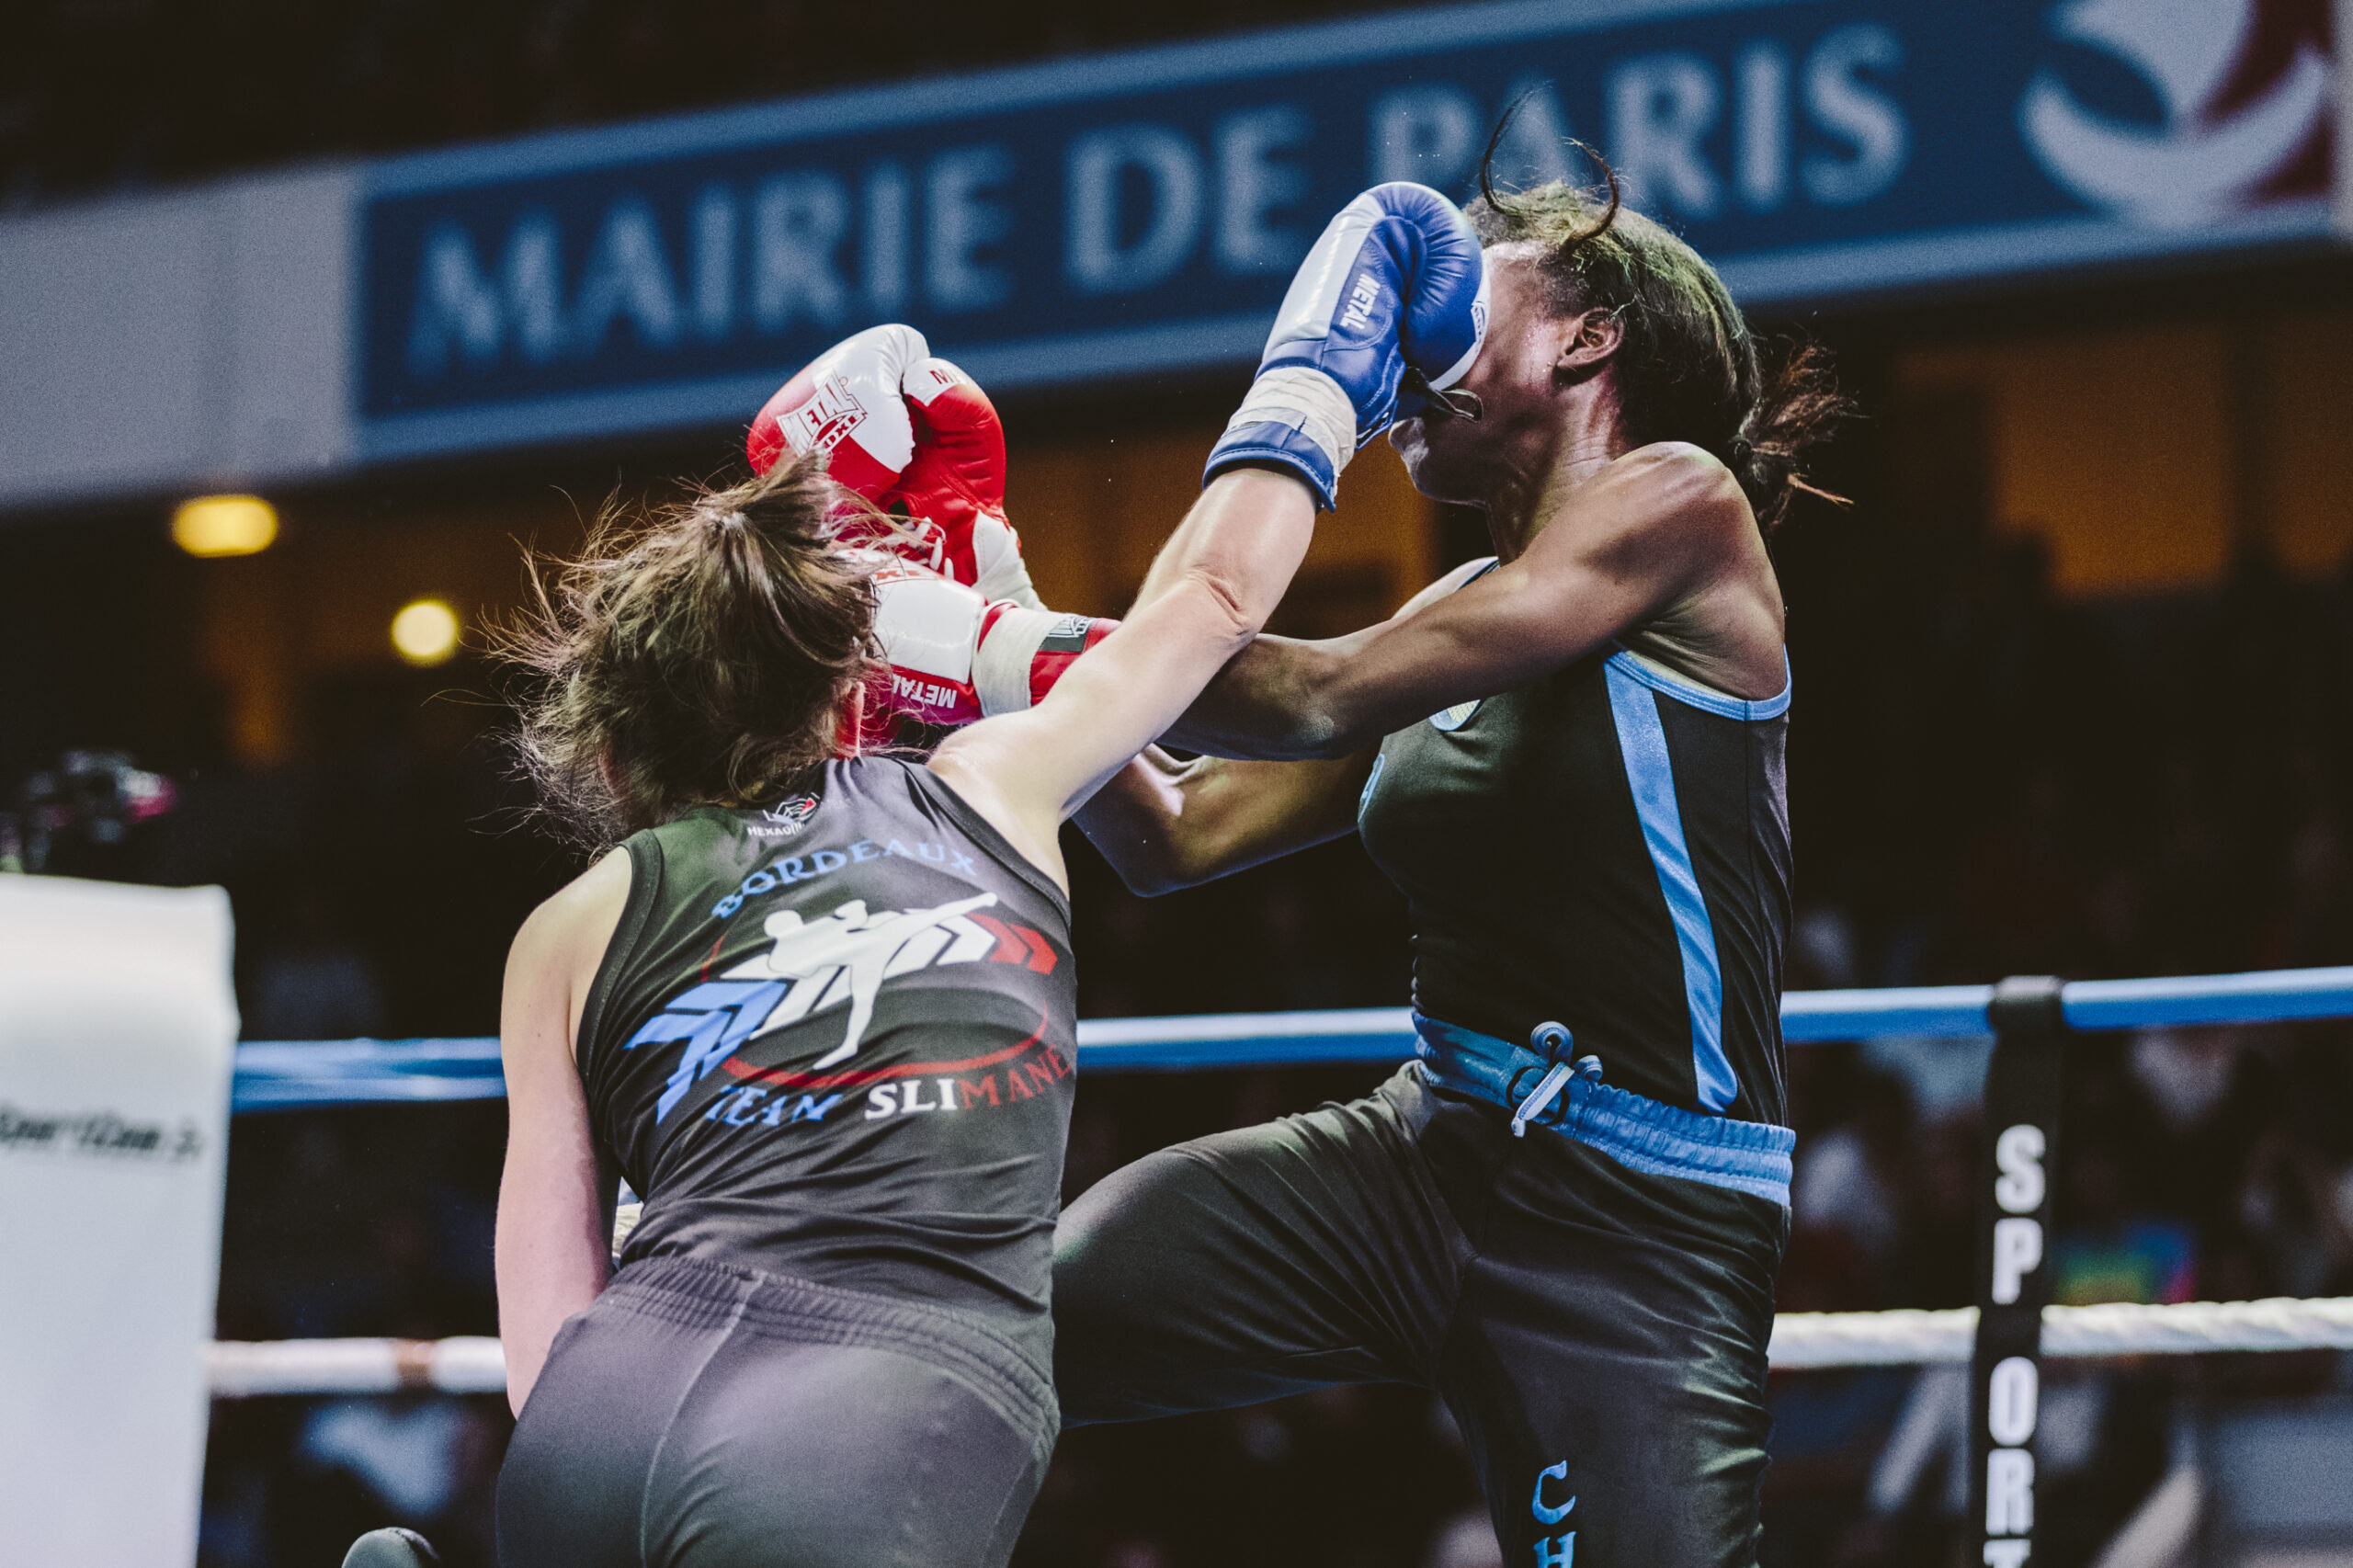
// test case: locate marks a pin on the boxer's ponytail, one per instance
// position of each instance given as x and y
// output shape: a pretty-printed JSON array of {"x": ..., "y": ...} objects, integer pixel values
[
  {"x": 701, "y": 654},
  {"x": 1688, "y": 368}
]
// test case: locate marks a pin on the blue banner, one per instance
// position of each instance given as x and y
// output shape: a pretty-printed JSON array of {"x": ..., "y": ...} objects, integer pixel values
[{"x": 1118, "y": 216}]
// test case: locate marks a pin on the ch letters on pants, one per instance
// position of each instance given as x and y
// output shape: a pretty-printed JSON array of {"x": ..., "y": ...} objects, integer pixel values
[{"x": 1557, "y": 1551}]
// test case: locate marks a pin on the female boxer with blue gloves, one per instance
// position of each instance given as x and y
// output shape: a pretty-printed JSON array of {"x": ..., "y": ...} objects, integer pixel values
[
  {"x": 784, "y": 1009},
  {"x": 1566, "y": 1217}
]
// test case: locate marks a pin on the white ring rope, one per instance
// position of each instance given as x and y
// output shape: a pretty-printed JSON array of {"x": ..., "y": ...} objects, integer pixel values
[
  {"x": 1801, "y": 1341},
  {"x": 241, "y": 1369},
  {"x": 2191, "y": 1328}
]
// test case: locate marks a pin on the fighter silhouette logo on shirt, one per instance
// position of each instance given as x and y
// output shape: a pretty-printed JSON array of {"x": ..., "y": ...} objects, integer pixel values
[{"x": 818, "y": 964}]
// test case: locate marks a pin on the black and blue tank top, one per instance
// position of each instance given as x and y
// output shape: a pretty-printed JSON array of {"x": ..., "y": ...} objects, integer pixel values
[
  {"x": 1607, "y": 847},
  {"x": 833, "y": 1038}
]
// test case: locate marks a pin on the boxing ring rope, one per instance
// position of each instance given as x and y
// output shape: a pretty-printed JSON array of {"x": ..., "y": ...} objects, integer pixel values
[
  {"x": 1802, "y": 1341},
  {"x": 283, "y": 1075}
]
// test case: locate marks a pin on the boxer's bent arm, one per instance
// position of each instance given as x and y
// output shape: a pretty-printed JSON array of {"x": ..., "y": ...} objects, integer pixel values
[
  {"x": 1644, "y": 534},
  {"x": 1165, "y": 825},
  {"x": 1221, "y": 575},
  {"x": 555, "y": 1195}
]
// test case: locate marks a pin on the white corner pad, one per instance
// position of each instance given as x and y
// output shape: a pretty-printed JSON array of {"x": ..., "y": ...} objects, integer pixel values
[{"x": 1309, "y": 402}]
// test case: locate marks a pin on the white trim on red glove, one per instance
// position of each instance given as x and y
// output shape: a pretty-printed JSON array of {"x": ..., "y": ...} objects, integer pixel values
[{"x": 953, "y": 656}]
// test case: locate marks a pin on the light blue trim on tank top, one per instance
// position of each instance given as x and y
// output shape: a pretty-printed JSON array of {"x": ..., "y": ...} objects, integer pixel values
[
  {"x": 1639, "y": 1132},
  {"x": 1649, "y": 774},
  {"x": 1624, "y": 661}
]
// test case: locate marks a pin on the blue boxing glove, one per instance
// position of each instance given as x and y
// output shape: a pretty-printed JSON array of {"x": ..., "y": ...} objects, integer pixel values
[{"x": 1389, "y": 308}]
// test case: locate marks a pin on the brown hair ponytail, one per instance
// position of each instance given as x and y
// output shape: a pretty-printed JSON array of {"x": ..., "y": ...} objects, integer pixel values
[{"x": 699, "y": 655}]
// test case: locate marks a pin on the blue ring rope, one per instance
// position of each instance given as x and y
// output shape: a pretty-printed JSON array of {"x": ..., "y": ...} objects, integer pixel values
[{"x": 292, "y": 1075}]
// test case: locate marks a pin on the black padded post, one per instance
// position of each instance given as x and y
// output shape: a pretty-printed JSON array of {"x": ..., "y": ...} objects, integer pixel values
[{"x": 2024, "y": 1082}]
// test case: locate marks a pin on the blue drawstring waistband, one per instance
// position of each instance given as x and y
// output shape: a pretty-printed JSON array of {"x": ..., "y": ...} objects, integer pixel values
[{"x": 1569, "y": 1097}]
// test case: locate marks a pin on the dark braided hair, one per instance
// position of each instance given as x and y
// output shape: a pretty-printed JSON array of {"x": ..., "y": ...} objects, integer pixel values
[{"x": 1688, "y": 368}]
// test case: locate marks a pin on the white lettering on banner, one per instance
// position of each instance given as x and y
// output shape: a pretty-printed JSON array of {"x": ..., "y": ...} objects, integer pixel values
[
  {"x": 454, "y": 300},
  {"x": 1847, "y": 106},
  {"x": 2009, "y": 1492},
  {"x": 797, "y": 221},
  {"x": 2018, "y": 1251},
  {"x": 1252, "y": 184},
  {"x": 1659, "y": 107},
  {"x": 960, "y": 222},
  {"x": 809, "y": 251},
  {"x": 1663, "y": 106},
  {"x": 714, "y": 233},
  {"x": 888, "y": 226},
  {"x": 1429, "y": 134},
  {"x": 627, "y": 275},
  {"x": 1761, "y": 159},
  {"x": 1434, "y": 134},
  {"x": 535, "y": 289},
  {"x": 1171, "y": 171},
  {"x": 2017, "y": 1154}
]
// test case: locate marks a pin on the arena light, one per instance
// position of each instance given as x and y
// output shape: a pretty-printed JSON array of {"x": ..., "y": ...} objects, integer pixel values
[
  {"x": 224, "y": 524},
  {"x": 426, "y": 633}
]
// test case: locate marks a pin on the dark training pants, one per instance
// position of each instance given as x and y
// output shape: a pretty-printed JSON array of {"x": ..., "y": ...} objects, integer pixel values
[
  {"x": 1599, "y": 1333},
  {"x": 699, "y": 1417}
]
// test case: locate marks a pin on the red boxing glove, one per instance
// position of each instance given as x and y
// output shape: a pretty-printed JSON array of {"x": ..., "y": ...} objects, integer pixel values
[
  {"x": 957, "y": 481},
  {"x": 929, "y": 627},
  {"x": 1023, "y": 652},
  {"x": 845, "y": 404},
  {"x": 916, "y": 437},
  {"x": 950, "y": 656}
]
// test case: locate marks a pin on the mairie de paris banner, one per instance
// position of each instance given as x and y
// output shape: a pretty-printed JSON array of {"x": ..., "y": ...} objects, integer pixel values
[{"x": 1126, "y": 215}]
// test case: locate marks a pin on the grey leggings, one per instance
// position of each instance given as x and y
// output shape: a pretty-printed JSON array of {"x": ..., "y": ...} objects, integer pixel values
[{"x": 700, "y": 1416}]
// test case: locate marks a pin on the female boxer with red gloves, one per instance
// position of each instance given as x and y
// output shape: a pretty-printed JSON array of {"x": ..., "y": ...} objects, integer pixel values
[{"x": 819, "y": 1010}]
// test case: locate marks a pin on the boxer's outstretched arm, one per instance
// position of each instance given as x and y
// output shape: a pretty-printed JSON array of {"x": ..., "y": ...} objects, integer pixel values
[
  {"x": 1221, "y": 575},
  {"x": 1646, "y": 533}
]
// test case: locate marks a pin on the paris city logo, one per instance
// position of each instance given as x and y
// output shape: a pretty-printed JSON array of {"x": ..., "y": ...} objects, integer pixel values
[
  {"x": 2235, "y": 105},
  {"x": 840, "y": 960}
]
